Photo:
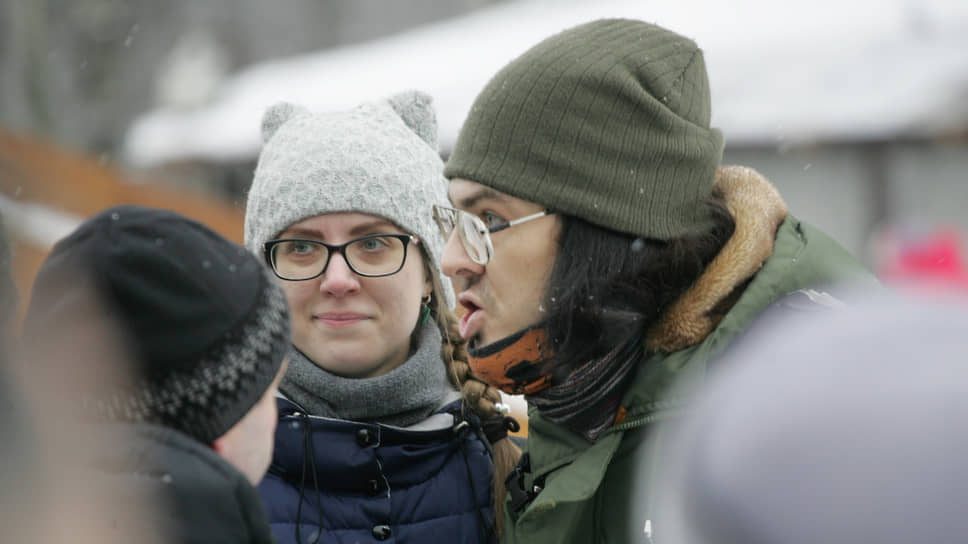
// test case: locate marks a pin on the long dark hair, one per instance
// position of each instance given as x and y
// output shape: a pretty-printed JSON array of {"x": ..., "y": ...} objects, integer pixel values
[{"x": 606, "y": 286}]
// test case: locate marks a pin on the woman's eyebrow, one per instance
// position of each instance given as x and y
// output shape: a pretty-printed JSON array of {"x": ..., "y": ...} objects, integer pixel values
[
  {"x": 363, "y": 228},
  {"x": 380, "y": 223},
  {"x": 301, "y": 232}
]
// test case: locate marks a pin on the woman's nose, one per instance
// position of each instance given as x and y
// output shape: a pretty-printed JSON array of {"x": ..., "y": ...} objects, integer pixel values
[{"x": 339, "y": 279}]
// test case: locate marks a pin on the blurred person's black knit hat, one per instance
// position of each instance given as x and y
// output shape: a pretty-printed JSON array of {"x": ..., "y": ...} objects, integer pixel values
[
  {"x": 607, "y": 121},
  {"x": 205, "y": 325}
]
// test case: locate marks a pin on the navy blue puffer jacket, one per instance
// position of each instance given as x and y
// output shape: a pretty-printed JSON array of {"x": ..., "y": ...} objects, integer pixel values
[{"x": 364, "y": 482}]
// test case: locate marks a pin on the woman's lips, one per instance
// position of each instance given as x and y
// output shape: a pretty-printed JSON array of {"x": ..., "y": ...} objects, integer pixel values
[{"x": 338, "y": 320}]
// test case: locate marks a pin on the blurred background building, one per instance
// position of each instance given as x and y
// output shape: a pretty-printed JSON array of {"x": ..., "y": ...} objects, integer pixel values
[{"x": 856, "y": 109}]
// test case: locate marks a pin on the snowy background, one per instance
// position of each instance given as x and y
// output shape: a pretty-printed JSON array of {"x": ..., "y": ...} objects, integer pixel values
[{"x": 780, "y": 71}]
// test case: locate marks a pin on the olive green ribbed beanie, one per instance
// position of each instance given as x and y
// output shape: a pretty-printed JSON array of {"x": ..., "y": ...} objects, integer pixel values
[{"x": 607, "y": 121}]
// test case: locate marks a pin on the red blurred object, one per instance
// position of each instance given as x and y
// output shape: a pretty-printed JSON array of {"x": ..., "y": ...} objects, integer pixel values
[{"x": 926, "y": 261}]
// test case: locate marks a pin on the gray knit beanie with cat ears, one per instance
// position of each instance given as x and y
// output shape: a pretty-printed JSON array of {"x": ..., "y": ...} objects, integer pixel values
[{"x": 378, "y": 158}]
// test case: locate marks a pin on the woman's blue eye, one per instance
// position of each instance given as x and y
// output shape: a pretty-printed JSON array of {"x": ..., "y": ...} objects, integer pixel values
[
  {"x": 297, "y": 250},
  {"x": 374, "y": 244},
  {"x": 301, "y": 247}
]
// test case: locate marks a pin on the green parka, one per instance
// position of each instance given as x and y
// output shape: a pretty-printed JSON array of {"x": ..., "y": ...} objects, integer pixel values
[{"x": 599, "y": 493}]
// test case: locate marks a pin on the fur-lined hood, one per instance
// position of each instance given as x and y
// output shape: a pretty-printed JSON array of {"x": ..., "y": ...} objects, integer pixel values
[{"x": 758, "y": 209}]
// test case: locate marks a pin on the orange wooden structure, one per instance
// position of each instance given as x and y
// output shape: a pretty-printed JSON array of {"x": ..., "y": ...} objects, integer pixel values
[{"x": 34, "y": 172}]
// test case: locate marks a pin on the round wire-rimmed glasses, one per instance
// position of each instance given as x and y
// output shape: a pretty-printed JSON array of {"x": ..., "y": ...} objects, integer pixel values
[
  {"x": 475, "y": 235},
  {"x": 371, "y": 256}
]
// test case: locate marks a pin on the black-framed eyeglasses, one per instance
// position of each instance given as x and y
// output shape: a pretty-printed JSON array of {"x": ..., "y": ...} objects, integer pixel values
[
  {"x": 475, "y": 235},
  {"x": 371, "y": 256}
]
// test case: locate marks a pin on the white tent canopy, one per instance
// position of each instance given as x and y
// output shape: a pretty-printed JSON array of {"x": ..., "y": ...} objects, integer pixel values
[{"x": 825, "y": 69}]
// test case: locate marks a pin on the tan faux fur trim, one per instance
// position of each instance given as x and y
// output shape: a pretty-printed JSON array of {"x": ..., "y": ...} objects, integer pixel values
[{"x": 758, "y": 210}]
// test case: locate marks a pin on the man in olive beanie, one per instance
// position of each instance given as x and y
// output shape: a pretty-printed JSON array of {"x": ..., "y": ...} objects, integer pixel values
[
  {"x": 603, "y": 253},
  {"x": 620, "y": 102}
]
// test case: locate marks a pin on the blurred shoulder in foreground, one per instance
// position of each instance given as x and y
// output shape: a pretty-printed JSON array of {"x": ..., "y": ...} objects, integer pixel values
[{"x": 828, "y": 427}]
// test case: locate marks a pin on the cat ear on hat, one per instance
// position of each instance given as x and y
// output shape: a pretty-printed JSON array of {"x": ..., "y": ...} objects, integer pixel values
[
  {"x": 417, "y": 111},
  {"x": 277, "y": 115}
]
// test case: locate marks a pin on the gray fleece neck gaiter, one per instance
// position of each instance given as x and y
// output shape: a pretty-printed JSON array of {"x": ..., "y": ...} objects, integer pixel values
[{"x": 404, "y": 396}]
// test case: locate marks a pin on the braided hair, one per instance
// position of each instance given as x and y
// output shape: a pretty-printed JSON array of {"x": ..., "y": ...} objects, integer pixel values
[{"x": 480, "y": 396}]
